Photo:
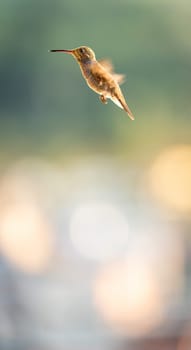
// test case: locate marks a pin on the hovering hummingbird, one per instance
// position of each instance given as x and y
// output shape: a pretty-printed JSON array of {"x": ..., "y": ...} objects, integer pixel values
[{"x": 100, "y": 76}]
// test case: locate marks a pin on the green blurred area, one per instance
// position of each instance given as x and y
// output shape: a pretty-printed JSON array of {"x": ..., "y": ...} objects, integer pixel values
[
  {"x": 47, "y": 109},
  {"x": 88, "y": 196}
]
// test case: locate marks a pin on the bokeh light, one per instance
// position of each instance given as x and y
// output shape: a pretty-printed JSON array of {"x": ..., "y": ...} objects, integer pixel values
[
  {"x": 98, "y": 230},
  {"x": 170, "y": 177},
  {"x": 95, "y": 210},
  {"x": 161, "y": 248},
  {"x": 128, "y": 296},
  {"x": 25, "y": 234}
]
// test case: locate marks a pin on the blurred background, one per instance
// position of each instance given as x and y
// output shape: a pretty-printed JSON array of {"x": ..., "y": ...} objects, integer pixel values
[{"x": 95, "y": 210}]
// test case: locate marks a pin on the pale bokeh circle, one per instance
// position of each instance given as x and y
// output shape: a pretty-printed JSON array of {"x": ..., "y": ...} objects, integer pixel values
[{"x": 98, "y": 230}]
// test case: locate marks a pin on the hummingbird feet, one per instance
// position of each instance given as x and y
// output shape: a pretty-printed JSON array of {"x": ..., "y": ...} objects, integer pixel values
[{"x": 103, "y": 99}]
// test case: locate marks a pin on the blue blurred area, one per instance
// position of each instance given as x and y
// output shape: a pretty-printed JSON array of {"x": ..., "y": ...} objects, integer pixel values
[{"x": 95, "y": 209}]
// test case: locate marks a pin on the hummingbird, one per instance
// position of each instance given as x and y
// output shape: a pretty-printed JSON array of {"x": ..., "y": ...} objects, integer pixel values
[{"x": 100, "y": 76}]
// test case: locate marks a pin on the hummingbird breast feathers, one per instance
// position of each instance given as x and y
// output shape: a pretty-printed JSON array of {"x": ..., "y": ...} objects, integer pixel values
[
  {"x": 99, "y": 79},
  {"x": 102, "y": 81}
]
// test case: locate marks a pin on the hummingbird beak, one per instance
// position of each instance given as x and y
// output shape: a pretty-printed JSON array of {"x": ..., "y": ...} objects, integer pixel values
[{"x": 66, "y": 51}]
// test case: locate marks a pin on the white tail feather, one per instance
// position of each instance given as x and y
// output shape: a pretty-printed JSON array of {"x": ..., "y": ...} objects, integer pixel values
[{"x": 117, "y": 102}]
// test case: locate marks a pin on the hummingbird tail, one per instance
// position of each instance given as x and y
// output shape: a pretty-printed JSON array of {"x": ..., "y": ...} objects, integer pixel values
[
  {"x": 127, "y": 109},
  {"x": 122, "y": 104}
]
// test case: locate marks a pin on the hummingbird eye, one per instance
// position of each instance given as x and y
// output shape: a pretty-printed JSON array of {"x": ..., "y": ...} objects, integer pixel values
[{"x": 81, "y": 50}]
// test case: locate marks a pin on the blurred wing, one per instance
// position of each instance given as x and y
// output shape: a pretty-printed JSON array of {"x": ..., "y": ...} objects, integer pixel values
[
  {"x": 119, "y": 78},
  {"x": 106, "y": 64}
]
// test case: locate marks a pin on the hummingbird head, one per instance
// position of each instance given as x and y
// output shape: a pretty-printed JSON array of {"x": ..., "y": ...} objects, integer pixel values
[{"x": 82, "y": 54}]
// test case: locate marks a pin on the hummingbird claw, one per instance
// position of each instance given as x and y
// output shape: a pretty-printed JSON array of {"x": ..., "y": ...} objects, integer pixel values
[{"x": 103, "y": 99}]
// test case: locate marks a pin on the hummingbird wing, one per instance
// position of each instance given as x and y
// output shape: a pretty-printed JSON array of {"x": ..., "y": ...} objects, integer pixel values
[
  {"x": 107, "y": 64},
  {"x": 119, "y": 78}
]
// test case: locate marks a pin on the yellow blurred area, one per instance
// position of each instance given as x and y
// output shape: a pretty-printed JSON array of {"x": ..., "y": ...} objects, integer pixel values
[
  {"x": 170, "y": 177},
  {"x": 110, "y": 252},
  {"x": 129, "y": 297},
  {"x": 25, "y": 235}
]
